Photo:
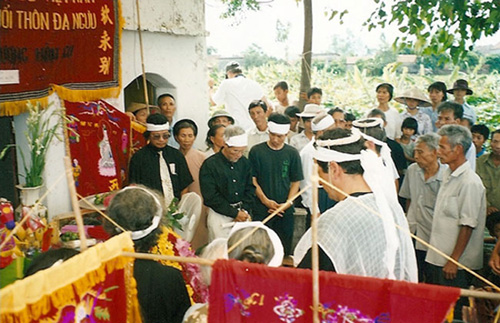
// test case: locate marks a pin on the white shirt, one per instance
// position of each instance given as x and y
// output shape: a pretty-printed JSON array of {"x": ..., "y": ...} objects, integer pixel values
[
  {"x": 422, "y": 194},
  {"x": 255, "y": 137},
  {"x": 393, "y": 127},
  {"x": 236, "y": 94},
  {"x": 299, "y": 141},
  {"x": 307, "y": 160},
  {"x": 471, "y": 156},
  {"x": 461, "y": 201}
]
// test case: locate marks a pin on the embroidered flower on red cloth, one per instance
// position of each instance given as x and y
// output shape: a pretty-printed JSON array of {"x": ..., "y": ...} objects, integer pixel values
[{"x": 286, "y": 308}]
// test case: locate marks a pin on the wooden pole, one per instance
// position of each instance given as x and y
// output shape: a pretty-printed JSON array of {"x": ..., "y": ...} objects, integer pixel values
[
  {"x": 74, "y": 203},
  {"x": 208, "y": 262},
  {"x": 148, "y": 256},
  {"x": 314, "y": 245},
  {"x": 269, "y": 217},
  {"x": 144, "y": 81},
  {"x": 30, "y": 213},
  {"x": 407, "y": 231}
]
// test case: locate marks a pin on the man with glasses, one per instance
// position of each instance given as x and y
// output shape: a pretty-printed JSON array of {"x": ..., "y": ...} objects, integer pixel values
[{"x": 157, "y": 165}]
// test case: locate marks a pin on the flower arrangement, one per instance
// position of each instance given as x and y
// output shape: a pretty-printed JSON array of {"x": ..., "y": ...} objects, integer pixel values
[{"x": 39, "y": 135}]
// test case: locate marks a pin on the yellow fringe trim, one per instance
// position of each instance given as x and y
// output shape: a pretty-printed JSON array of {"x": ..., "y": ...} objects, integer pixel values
[
  {"x": 85, "y": 95},
  {"x": 14, "y": 108},
  {"x": 29, "y": 299},
  {"x": 138, "y": 127}
]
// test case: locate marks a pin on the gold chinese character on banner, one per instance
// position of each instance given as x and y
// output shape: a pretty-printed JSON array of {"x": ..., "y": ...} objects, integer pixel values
[
  {"x": 105, "y": 41},
  {"x": 105, "y": 63},
  {"x": 105, "y": 15},
  {"x": 114, "y": 185}
]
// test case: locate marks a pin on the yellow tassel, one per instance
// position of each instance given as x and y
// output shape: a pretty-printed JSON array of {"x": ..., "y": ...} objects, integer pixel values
[{"x": 14, "y": 108}]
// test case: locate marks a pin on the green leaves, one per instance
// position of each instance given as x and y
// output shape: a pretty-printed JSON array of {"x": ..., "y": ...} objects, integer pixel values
[{"x": 439, "y": 26}]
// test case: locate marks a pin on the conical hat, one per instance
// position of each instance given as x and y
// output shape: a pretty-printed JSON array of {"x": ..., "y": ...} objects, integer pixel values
[{"x": 416, "y": 94}]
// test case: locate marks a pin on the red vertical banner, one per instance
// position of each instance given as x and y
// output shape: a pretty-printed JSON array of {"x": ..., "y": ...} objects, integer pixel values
[
  {"x": 69, "y": 46},
  {"x": 99, "y": 142}
]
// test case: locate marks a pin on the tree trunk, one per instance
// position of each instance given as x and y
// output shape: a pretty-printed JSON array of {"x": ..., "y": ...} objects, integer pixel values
[{"x": 305, "y": 75}]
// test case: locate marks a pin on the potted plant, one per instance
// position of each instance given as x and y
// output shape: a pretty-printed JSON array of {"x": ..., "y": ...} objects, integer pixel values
[{"x": 41, "y": 130}]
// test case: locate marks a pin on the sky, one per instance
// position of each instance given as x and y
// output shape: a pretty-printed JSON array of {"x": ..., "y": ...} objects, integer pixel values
[{"x": 231, "y": 39}]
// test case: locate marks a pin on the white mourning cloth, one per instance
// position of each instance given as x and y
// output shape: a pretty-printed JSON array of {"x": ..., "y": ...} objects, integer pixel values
[{"x": 395, "y": 254}]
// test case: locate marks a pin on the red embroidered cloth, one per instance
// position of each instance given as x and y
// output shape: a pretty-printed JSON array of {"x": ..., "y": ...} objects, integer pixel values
[
  {"x": 244, "y": 292},
  {"x": 99, "y": 143},
  {"x": 74, "y": 44}
]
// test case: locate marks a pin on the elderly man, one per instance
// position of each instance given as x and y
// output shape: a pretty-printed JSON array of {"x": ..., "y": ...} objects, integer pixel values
[
  {"x": 420, "y": 188},
  {"x": 459, "y": 214},
  {"x": 236, "y": 92},
  {"x": 226, "y": 184},
  {"x": 453, "y": 113},
  {"x": 277, "y": 173},
  {"x": 159, "y": 166},
  {"x": 358, "y": 235},
  {"x": 488, "y": 168}
]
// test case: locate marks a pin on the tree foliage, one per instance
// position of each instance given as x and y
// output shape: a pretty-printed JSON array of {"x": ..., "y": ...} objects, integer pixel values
[
  {"x": 438, "y": 26},
  {"x": 235, "y": 7}
]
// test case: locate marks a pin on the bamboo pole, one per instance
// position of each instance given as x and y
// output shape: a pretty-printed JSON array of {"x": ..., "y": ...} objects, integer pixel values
[
  {"x": 314, "y": 245},
  {"x": 407, "y": 231},
  {"x": 94, "y": 208},
  {"x": 208, "y": 262},
  {"x": 269, "y": 217},
  {"x": 144, "y": 81},
  {"x": 74, "y": 203},
  {"x": 30, "y": 213},
  {"x": 149, "y": 256}
]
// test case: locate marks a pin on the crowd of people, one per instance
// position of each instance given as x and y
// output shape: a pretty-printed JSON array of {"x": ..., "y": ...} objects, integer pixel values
[{"x": 425, "y": 170}]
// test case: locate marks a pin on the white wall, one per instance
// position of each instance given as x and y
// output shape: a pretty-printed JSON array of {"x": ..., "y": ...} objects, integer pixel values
[{"x": 174, "y": 48}]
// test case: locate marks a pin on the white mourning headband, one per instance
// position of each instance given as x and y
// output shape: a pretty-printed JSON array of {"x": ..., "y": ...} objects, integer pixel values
[
  {"x": 374, "y": 140},
  {"x": 368, "y": 123},
  {"x": 355, "y": 136},
  {"x": 327, "y": 155},
  {"x": 136, "y": 235},
  {"x": 324, "y": 123},
  {"x": 280, "y": 129},
  {"x": 157, "y": 127},
  {"x": 238, "y": 141},
  {"x": 277, "y": 259}
]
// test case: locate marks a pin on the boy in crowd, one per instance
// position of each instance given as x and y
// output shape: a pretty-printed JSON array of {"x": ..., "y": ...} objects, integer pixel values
[{"x": 480, "y": 134}]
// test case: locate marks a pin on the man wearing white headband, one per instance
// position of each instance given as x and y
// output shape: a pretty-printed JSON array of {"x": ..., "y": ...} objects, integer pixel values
[
  {"x": 321, "y": 123},
  {"x": 358, "y": 235},
  {"x": 277, "y": 172},
  {"x": 226, "y": 184},
  {"x": 157, "y": 165}
]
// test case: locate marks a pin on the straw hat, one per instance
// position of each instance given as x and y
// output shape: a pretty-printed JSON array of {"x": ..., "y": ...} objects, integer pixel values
[
  {"x": 135, "y": 106},
  {"x": 415, "y": 94},
  {"x": 460, "y": 85},
  {"x": 310, "y": 111}
]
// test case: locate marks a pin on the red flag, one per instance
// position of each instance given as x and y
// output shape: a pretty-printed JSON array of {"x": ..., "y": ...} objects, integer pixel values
[{"x": 244, "y": 292}]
